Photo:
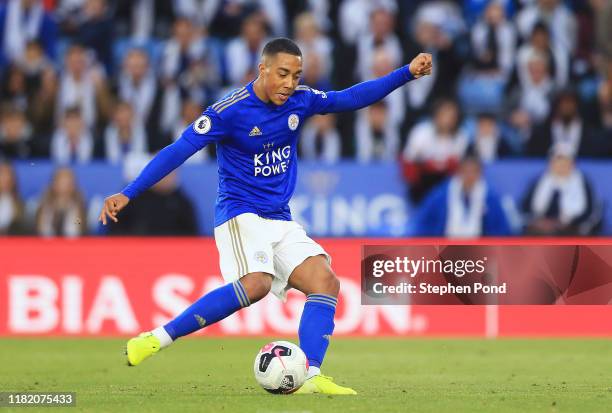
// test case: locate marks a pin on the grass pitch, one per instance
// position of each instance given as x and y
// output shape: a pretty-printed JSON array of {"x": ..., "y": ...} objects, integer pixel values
[{"x": 391, "y": 375}]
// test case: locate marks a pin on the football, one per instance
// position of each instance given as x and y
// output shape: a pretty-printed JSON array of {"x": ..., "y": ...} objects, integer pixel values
[{"x": 280, "y": 367}]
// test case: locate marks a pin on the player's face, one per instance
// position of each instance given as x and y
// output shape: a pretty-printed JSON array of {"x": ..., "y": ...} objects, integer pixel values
[{"x": 281, "y": 76}]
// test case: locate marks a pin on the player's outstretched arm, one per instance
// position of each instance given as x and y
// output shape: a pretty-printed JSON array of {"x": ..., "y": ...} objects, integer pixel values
[
  {"x": 421, "y": 65},
  {"x": 366, "y": 93},
  {"x": 112, "y": 205},
  {"x": 167, "y": 160}
]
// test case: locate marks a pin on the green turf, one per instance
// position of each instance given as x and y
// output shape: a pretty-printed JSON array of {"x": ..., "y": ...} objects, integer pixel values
[{"x": 215, "y": 375}]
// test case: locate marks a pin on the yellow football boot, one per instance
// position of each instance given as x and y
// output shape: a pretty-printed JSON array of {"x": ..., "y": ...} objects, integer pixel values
[
  {"x": 324, "y": 385},
  {"x": 141, "y": 348}
]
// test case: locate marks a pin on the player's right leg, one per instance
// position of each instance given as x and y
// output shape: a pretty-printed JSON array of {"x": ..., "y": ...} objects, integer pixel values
[
  {"x": 212, "y": 307},
  {"x": 315, "y": 278}
]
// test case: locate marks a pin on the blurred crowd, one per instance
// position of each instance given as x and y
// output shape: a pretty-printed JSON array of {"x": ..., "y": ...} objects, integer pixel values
[{"x": 118, "y": 80}]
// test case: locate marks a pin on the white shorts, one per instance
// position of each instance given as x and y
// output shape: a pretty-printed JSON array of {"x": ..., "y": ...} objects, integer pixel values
[{"x": 249, "y": 243}]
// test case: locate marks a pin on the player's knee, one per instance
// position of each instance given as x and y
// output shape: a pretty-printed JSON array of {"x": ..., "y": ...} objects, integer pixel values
[
  {"x": 257, "y": 285},
  {"x": 332, "y": 284},
  {"x": 327, "y": 283}
]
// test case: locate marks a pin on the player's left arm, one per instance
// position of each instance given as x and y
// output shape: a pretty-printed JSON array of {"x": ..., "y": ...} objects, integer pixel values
[{"x": 366, "y": 93}]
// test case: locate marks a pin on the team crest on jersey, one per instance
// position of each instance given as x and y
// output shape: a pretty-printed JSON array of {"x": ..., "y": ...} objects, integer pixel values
[
  {"x": 202, "y": 125},
  {"x": 261, "y": 256},
  {"x": 293, "y": 121}
]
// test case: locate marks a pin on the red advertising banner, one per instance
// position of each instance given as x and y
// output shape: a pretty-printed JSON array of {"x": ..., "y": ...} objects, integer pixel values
[{"x": 122, "y": 286}]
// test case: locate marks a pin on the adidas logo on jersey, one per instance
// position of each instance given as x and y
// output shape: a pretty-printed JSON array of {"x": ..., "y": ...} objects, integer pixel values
[{"x": 255, "y": 131}]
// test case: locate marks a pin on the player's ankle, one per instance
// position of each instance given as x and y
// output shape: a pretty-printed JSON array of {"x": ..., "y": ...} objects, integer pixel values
[
  {"x": 313, "y": 371},
  {"x": 162, "y": 335}
]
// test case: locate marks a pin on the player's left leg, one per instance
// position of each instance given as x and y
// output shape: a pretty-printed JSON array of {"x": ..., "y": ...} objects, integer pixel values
[
  {"x": 218, "y": 304},
  {"x": 245, "y": 257},
  {"x": 210, "y": 308},
  {"x": 315, "y": 278}
]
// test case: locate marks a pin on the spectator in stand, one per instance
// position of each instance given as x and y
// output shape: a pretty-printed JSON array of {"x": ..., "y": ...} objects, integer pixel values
[
  {"x": 489, "y": 143},
  {"x": 377, "y": 136},
  {"x": 30, "y": 86},
  {"x": 561, "y": 201},
  {"x": 82, "y": 84},
  {"x": 34, "y": 64},
  {"x": 200, "y": 12},
  {"x": 320, "y": 10},
  {"x": 474, "y": 9},
  {"x": 95, "y": 31},
  {"x": 22, "y": 21},
  {"x": 463, "y": 207},
  {"x": 138, "y": 86},
  {"x": 313, "y": 75},
  {"x": 72, "y": 143},
  {"x": 14, "y": 88},
  {"x": 604, "y": 97},
  {"x": 67, "y": 13},
  {"x": 566, "y": 126},
  {"x": 42, "y": 113},
  {"x": 15, "y": 135},
  {"x": 382, "y": 64},
  {"x": 162, "y": 210},
  {"x": 377, "y": 128},
  {"x": 585, "y": 59},
  {"x": 275, "y": 14},
  {"x": 556, "y": 16},
  {"x": 446, "y": 15},
  {"x": 24, "y": 76},
  {"x": 125, "y": 136},
  {"x": 311, "y": 41},
  {"x": 188, "y": 65},
  {"x": 433, "y": 149},
  {"x": 12, "y": 211},
  {"x": 355, "y": 17},
  {"x": 494, "y": 42},
  {"x": 557, "y": 58},
  {"x": 603, "y": 31},
  {"x": 25, "y": 85},
  {"x": 142, "y": 20},
  {"x": 530, "y": 101},
  {"x": 380, "y": 36},
  {"x": 428, "y": 34},
  {"x": 242, "y": 53},
  {"x": 61, "y": 212},
  {"x": 223, "y": 16},
  {"x": 320, "y": 140},
  {"x": 493, "y": 38},
  {"x": 184, "y": 47}
]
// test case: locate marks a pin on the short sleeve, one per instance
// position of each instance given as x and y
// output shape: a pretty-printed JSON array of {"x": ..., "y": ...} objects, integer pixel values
[
  {"x": 208, "y": 128},
  {"x": 317, "y": 102}
]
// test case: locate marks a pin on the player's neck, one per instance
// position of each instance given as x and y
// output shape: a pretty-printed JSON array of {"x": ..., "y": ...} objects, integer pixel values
[{"x": 259, "y": 90}]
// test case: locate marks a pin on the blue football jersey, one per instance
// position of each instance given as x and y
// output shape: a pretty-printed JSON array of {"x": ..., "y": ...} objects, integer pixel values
[
  {"x": 256, "y": 149},
  {"x": 257, "y": 144}
]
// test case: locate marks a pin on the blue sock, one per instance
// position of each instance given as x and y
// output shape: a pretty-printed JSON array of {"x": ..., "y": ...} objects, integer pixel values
[
  {"x": 212, "y": 307},
  {"x": 317, "y": 326}
]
